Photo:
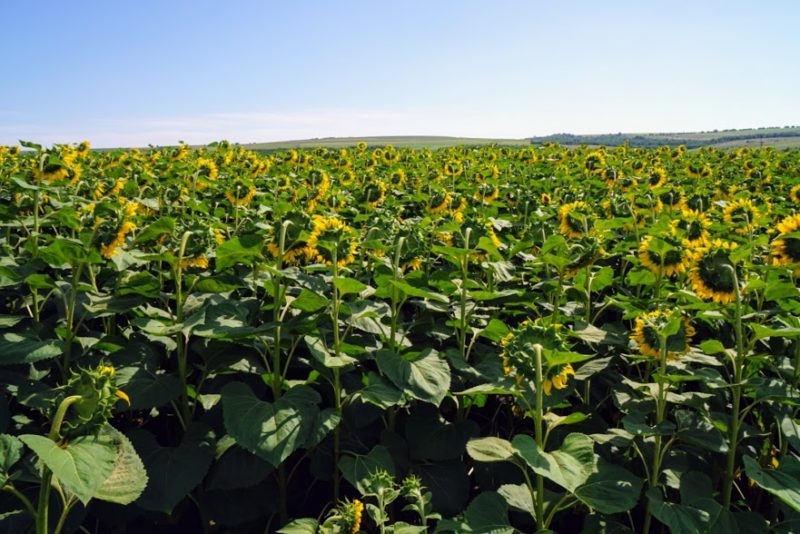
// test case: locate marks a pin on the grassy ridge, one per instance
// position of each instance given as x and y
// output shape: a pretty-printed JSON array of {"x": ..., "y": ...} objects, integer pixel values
[{"x": 779, "y": 137}]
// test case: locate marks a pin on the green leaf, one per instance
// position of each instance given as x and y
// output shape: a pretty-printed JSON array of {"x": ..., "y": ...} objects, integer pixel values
[
  {"x": 783, "y": 482},
  {"x": 570, "y": 466},
  {"x": 486, "y": 514},
  {"x": 309, "y": 301},
  {"x": 245, "y": 249},
  {"x": 320, "y": 352},
  {"x": 16, "y": 349},
  {"x": 82, "y": 466},
  {"x": 518, "y": 496},
  {"x": 306, "y": 525},
  {"x": 129, "y": 477},
  {"x": 762, "y": 332},
  {"x": 348, "y": 285},
  {"x": 611, "y": 490},
  {"x": 356, "y": 468},
  {"x": 151, "y": 232},
  {"x": 380, "y": 392},
  {"x": 425, "y": 377},
  {"x": 490, "y": 449},
  {"x": 10, "y": 453},
  {"x": 272, "y": 431},
  {"x": 68, "y": 252},
  {"x": 680, "y": 519},
  {"x": 173, "y": 471},
  {"x": 412, "y": 291},
  {"x": 712, "y": 346},
  {"x": 237, "y": 468}
]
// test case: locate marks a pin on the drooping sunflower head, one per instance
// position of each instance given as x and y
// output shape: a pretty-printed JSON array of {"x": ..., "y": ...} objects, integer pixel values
[
  {"x": 673, "y": 199},
  {"x": 664, "y": 256},
  {"x": 333, "y": 238},
  {"x": 691, "y": 225},
  {"x": 712, "y": 277},
  {"x": 575, "y": 219},
  {"x": 786, "y": 248},
  {"x": 519, "y": 350},
  {"x": 699, "y": 170},
  {"x": 594, "y": 162},
  {"x": 794, "y": 194},
  {"x": 374, "y": 193},
  {"x": 741, "y": 215},
  {"x": 583, "y": 253},
  {"x": 657, "y": 177},
  {"x": 453, "y": 167},
  {"x": 648, "y": 333},
  {"x": 487, "y": 192}
]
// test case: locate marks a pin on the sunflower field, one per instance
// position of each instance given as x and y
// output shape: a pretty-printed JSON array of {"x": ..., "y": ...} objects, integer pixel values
[{"x": 374, "y": 339}]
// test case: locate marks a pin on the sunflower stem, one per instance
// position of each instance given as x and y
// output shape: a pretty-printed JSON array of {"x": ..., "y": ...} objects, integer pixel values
[
  {"x": 736, "y": 393},
  {"x": 539, "y": 435}
]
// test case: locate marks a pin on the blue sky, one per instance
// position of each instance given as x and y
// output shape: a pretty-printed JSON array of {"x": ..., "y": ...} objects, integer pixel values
[{"x": 130, "y": 73}]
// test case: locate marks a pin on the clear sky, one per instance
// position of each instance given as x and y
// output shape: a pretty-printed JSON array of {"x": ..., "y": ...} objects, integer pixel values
[{"x": 131, "y": 73}]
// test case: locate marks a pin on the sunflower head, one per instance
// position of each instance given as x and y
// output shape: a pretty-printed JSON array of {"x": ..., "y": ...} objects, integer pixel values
[
  {"x": 786, "y": 248},
  {"x": 657, "y": 177},
  {"x": 594, "y": 162},
  {"x": 712, "y": 276},
  {"x": 691, "y": 225},
  {"x": 575, "y": 219},
  {"x": 334, "y": 239},
  {"x": 519, "y": 361},
  {"x": 664, "y": 256},
  {"x": 651, "y": 334},
  {"x": 741, "y": 215},
  {"x": 794, "y": 195}
]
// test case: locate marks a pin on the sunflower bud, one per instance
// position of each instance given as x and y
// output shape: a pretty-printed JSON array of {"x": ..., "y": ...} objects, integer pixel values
[{"x": 98, "y": 391}]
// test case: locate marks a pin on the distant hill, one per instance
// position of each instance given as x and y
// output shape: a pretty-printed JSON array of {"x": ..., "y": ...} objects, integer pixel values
[
  {"x": 779, "y": 137},
  {"x": 412, "y": 141}
]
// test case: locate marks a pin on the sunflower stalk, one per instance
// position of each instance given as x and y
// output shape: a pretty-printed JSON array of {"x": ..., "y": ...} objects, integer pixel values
[
  {"x": 736, "y": 393},
  {"x": 277, "y": 375},
  {"x": 539, "y": 435},
  {"x": 337, "y": 386},
  {"x": 181, "y": 341}
]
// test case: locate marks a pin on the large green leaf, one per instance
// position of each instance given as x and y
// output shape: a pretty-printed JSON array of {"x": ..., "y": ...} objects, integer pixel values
[
  {"x": 16, "y": 349},
  {"x": 490, "y": 449},
  {"x": 570, "y": 466},
  {"x": 245, "y": 249},
  {"x": 783, "y": 482},
  {"x": 356, "y": 468},
  {"x": 129, "y": 477},
  {"x": 320, "y": 352},
  {"x": 424, "y": 376},
  {"x": 10, "y": 453},
  {"x": 611, "y": 490},
  {"x": 173, "y": 471},
  {"x": 486, "y": 514},
  {"x": 679, "y": 518},
  {"x": 271, "y": 431},
  {"x": 82, "y": 466}
]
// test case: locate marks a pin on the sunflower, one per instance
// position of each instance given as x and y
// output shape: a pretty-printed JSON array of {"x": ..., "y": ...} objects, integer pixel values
[
  {"x": 112, "y": 249},
  {"x": 697, "y": 170},
  {"x": 657, "y": 177},
  {"x": 611, "y": 176},
  {"x": 397, "y": 177},
  {"x": 574, "y": 219},
  {"x": 594, "y": 162},
  {"x": 338, "y": 234},
  {"x": 558, "y": 380},
  {"x": 673, "y": 261},
  {"x": 453, "y": 167},
  {"x": 374, "y": 193},
  {"x": 711, "y": 276},
  {"x": 243, "y": 200},
  {"x": 646, "y": 334},
  {"x": 545, "y": 199},
  {"x": 692, "y": 225},
  {"x": 794, "y": 194},
  {"x": 487, "y": 193},
  {"x": 741, "y": 214},
  {"x": 518, "y": 358},
  {"x": 673, "y": 199},
  {"x": 361, "y": 146},
  {"x": 785, "y": 249},
  {"x": 347, "y": 177},
  {"x": 439, "y": 201}
]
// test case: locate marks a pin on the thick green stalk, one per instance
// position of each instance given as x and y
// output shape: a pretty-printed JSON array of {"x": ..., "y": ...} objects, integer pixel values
[
  {"x": 661, "y": 404},
  {"x": 185, "y": 412},
  {"x": 539, "y": 435},
  {"x": 736, "y": 395},
  {"x": 337, "y": 386},
  {"x": 462, "y": 334},
  {"x": 277, "y": 375},
  {"x": 47, "y": 475}
]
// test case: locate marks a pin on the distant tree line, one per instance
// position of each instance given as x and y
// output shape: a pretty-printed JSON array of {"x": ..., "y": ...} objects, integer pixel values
[{"x": 651, "y": 140}]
